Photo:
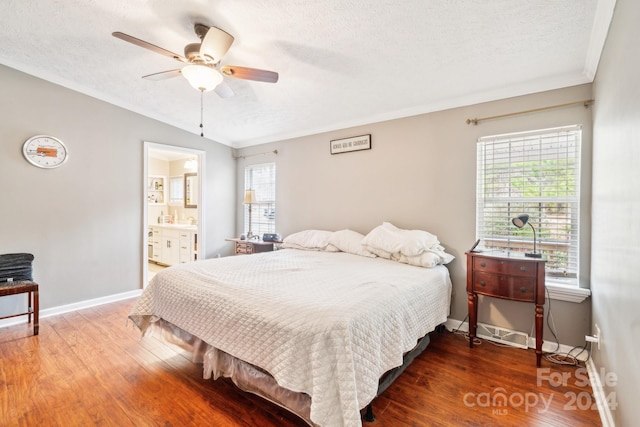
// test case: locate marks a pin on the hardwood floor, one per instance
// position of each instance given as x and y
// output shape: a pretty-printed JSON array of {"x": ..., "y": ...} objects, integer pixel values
[{"x": 90, "y": 368}]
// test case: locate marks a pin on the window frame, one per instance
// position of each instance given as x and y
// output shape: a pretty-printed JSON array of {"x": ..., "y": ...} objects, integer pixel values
[
  {"x": 561, "y": 272},
  {"x": 263, "y": 213}
]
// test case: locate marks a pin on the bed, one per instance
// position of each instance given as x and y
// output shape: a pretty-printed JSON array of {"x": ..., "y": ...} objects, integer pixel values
[{"x": 311, "y": 330}]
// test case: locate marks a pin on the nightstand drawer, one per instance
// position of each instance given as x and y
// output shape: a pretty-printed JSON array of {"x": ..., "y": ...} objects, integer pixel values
[
  {"x": 250, "y": 246},
  {"x": 500, "y": 266},
  {"x": 503, "y": 286},
  {"x": 244, "y": 248}
]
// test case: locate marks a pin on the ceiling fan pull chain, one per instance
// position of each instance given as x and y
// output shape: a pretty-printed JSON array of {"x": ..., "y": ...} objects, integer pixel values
[{"x": 201, "y": 112}]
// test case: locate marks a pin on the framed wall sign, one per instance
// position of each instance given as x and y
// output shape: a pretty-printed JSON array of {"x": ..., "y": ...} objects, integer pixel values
[{"x": 355, "y": 143}]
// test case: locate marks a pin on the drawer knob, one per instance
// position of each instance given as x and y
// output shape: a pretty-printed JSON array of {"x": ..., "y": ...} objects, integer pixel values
[
  {"x": 523, "y": 289},
  {"x": 523, "y": 268},
  {"x": 483, "y": 264},
  {"x": 483, "y": 284}
]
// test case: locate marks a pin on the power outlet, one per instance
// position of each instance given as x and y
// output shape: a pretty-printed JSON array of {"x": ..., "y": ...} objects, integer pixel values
[{"x": 595, "y": 338}]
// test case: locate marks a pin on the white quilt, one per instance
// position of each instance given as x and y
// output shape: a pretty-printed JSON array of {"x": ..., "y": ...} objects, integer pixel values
[{"x": 326, "y": 324}]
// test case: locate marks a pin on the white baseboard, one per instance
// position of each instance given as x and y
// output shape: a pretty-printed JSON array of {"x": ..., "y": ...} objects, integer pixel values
[
  {"x": 599, "y": 395},
  {"x": 547, "y": 346},
  {"x": 73, "y": 307}
]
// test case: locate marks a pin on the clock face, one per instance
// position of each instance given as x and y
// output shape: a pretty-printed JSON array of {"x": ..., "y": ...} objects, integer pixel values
[{"x": 45, "y": 151}]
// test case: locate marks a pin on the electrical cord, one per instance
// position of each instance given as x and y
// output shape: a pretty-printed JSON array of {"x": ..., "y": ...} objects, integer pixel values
[
  {"x": 568, "y": 358},
  {"x": 552, "y": 356},
  {"x": 551, "y": 329},
  {"x": 457, "y": 331},
  {"x": 562, "y": 358}
]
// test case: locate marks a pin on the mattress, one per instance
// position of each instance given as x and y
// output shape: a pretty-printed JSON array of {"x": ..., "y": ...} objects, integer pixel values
[{"x": 321, "y": 323}]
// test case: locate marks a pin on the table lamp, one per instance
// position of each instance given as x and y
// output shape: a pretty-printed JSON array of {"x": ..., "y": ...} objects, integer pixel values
[{"x": 520, "y": 221}]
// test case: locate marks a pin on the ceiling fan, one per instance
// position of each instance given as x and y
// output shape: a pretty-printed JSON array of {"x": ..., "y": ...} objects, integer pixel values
[{"x": 203, "y": 70}]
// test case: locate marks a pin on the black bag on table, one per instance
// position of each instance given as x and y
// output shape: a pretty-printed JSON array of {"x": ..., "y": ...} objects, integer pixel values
[{"x": 15, "y": 267}]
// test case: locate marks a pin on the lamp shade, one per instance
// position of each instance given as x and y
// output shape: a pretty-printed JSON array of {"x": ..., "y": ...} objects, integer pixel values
[
  {"x": 201, "y": 77},
  {"x": 521, "y": 220},
  {"x": 249, "y": 197}
]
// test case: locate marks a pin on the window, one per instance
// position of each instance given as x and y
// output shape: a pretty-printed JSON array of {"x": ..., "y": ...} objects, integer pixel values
[
  {"x": 175, "y": 191},
  {"x": 535, "y": 173},
  {"x": 262, "y": 179}
]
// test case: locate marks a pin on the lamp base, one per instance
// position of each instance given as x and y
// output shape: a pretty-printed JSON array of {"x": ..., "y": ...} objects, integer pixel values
[{"x": 533, "y": 255}]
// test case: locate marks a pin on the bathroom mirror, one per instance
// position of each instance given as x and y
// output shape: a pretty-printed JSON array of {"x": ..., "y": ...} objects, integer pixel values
[{"x": 190, "y": 190}]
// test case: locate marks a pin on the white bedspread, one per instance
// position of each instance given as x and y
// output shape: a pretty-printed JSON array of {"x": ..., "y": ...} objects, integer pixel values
[{"x": 326, "y": 324}]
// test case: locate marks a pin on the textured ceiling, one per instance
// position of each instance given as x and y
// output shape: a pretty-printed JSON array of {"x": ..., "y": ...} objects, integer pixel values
[{"x": 341, "y": 62}]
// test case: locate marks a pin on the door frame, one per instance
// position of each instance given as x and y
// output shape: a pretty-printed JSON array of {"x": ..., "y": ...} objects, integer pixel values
[{"x": 201, "y": 155}]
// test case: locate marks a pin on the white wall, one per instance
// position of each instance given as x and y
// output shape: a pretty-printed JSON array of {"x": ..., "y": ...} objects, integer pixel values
[
  {"x": 83, "y": 221},
  {"x": 420, "y": 173},
  {"x": 616, "y": 206}
]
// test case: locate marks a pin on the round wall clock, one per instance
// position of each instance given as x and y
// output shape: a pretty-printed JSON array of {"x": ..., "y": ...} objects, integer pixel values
[{"x": 45, "y": 151}]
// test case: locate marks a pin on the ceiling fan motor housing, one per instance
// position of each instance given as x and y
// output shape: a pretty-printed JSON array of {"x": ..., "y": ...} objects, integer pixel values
[
  {"x": 192, "y": 53},
  {"x": 201, "y": 30}
]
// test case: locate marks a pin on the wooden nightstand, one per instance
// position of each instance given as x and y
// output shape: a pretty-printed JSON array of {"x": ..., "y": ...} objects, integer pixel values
[
  {"x": 251, "y": 246},
  {"x": 507, "y": 276}
]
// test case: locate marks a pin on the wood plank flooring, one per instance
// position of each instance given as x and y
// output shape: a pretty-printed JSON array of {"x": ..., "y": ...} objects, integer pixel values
[{"x": 89, "y": 368}]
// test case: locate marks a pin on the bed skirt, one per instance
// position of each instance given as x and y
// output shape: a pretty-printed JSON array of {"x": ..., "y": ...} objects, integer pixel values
[{"x": 252, "y": 379}]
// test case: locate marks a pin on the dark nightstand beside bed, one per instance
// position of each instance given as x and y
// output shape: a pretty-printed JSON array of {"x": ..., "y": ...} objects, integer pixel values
[
  {"x": 508, "y": 276},
  {"x": 251, "y": 246}
]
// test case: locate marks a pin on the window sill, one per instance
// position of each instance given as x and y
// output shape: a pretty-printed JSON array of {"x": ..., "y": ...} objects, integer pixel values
[{"x": 563, "y": 292}]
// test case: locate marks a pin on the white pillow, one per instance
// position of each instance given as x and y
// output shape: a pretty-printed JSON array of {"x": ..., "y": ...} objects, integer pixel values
[
  {"x": 390, "y": 239},
  {"x": 351, "y": 242},
  {"x": 328, "y": 248},
  {"x": 379, "y": 252},
  {"x": 445, "y": 258},
  {"x": 285, "y": 245},
  {"x": 331, "y": 248},
  {"x": 308, "y": 239},
  {"x": 426, "y": 259}
]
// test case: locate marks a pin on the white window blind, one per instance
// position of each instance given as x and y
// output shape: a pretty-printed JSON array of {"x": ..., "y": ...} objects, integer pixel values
[
  {"x": 176, "y": 190},
  {"x": 535, "y": 173},
  {"x": 262, "y": 179}
]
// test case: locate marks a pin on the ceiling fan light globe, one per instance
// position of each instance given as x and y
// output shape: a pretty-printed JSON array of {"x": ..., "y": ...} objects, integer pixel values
[{"x": 201, "y": 77}]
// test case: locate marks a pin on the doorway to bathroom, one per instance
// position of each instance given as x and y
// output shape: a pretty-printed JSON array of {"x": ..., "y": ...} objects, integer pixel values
[{"x": 173, "y": 212}]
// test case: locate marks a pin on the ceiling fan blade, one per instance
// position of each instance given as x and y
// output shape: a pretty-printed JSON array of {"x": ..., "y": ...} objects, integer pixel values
[
  {"x": 249, "y": 73},
  {"x": 163, "y": 75},
  {"x": 224, "y": 91},
  {"x": 215, "y": 44},
  {"x": 147, "y": 45}
]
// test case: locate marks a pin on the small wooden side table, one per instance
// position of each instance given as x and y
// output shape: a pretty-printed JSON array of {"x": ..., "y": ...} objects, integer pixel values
[
  {"x": 21, "y": 287},
  {"x": 251, "y": 246},
  {"x": 507, "y": 276}
]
